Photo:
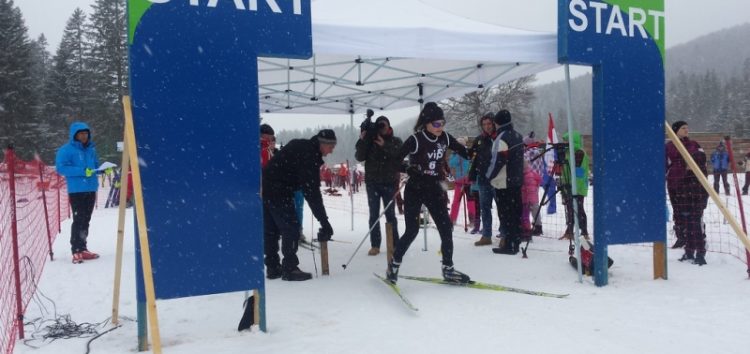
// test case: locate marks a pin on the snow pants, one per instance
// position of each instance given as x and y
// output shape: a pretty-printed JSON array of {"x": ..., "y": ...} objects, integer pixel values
[{"x": 427, "y": 191}]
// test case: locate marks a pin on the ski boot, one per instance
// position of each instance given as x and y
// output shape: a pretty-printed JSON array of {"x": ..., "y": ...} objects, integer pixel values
[
  {"x": 451, "y": 275},
  {"x": 392, "y": 272}
]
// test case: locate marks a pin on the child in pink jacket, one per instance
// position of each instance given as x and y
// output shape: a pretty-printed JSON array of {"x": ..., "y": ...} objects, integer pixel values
[{"x": 529, "y": 195}]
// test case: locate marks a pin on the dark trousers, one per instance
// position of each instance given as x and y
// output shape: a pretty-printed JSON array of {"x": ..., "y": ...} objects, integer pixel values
[
  {"x": 82, "y": 205},
  {"x": 569, "y": 221},
  {"x": 280, "y": 222},
  {"x": 688, "y": 205},
  {"x": 377, "y": 192},
  {"x": 747, "y": 182},
  {"x": 425, "y": 191},
  {"x": 723, "y": 176},
  {"x": 509, "y": 207}
]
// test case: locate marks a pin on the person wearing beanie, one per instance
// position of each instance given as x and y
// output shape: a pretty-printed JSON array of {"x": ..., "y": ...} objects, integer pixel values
[
  {"x": 295, "y": 167},
  {"x": 380, "y": 155},
  {"x": 77, "y": 161},
  {"x": 720, "y": 165},
  {"x": 505, "y": 174},
  {"x": 426, "y": 149},
  {"x": 687, "y": 196},
  {"x": 482, "y": 157},
  {"x": 267, "y": 144}
]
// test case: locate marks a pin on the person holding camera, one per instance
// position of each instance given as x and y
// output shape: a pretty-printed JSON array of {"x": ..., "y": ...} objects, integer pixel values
[
  {"x": 426, "y": 149},
  {"x": 378, "y": 149},
  {"x": 295, "y": 167}
]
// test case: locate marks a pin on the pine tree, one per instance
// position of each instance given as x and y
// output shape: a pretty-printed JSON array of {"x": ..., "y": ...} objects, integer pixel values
[
  {"x": 17, "y": 96},
  {"x": 68, "y": 87},
  {"x": 107, "y": 33},
  {"x": 47, "y": 136}
]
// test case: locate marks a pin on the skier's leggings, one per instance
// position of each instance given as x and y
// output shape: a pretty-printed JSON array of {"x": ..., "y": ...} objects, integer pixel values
[{"x": 425, "y": 191}]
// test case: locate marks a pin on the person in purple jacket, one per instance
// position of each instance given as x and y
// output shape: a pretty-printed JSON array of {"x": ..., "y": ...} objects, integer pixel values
[{"x": 687, "y": 195}]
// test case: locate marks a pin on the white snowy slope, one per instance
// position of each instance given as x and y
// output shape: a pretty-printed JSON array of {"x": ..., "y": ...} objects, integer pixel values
[{"x": 698, "y": 310}]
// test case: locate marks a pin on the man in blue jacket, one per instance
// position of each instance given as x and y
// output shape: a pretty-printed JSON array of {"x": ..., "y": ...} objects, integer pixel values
[
  {"x": 77, "y": 161},
  {"x": 720, "y": 164}
]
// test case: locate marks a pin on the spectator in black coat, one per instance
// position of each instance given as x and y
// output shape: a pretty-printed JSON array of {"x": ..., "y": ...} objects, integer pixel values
[
  {"x": 506, "y": 175},
  {"x": 296, "y": 166},
  {"x": 380, "y": 155}
]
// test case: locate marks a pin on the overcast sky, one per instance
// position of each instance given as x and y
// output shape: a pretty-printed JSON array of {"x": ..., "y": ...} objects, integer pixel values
[{"x": 685, "y": 20}]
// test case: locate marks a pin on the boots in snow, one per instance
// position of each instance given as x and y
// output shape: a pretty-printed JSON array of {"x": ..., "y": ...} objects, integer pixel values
[
  {"x": 392, "y": 272},
  {"x": 450, "y": 274},
  {"x": 295, "y": 275}
]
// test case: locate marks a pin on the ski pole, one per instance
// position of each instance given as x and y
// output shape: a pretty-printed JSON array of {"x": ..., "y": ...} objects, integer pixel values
[
  {"x": 466, "y": 225},
  {"x": 366, "y": 235},
  {"x": 372, "y": 227}
]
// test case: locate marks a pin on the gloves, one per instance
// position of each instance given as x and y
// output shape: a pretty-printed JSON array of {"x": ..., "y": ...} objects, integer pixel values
[
  {"x": 89, "y": 172},
  {"x": 413, "y": 171},
  {"x": 325, "y": 232}
]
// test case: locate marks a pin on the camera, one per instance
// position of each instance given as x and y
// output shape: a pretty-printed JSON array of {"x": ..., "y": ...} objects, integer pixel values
[{"x": 369, "y": 127}]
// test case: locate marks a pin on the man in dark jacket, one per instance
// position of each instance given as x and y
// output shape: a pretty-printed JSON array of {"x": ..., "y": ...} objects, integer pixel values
[
  {"x": 506, "y": 175},
  {"x": 380, "y": 154},
  {"x": 296, "y": 166}
]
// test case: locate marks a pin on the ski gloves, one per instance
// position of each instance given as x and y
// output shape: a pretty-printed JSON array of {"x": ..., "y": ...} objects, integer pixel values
[{"x": 325, "y": 232}]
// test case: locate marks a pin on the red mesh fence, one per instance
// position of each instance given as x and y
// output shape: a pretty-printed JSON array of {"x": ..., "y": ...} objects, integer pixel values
[{"x": 33, "y": 203}]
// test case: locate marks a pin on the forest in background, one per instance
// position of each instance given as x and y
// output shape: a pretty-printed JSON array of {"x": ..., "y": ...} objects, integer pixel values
[{"x": 42, "y": 93}]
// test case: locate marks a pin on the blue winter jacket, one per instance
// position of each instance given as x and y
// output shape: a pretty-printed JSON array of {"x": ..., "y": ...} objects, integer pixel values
[
  {"x": 73, "y": 159},
  {"x": 720, "y": 160}
]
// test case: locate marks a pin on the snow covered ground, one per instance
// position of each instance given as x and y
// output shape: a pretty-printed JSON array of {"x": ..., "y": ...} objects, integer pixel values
[{"x": 698, "y": 310}]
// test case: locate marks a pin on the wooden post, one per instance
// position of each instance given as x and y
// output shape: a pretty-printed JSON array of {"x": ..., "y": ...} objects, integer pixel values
[
  {"x": 660, "y": 260},
  {"x": 702, "y": 179},
  {"x": 389, "y": 241},
  {"x": 120, "y": 231},
  {"x": 148, "y": 277},
  {"x": 324, "y": 257}
]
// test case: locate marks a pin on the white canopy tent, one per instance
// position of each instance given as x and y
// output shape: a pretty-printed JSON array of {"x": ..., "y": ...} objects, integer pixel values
[{"x": 390, "y": 54}]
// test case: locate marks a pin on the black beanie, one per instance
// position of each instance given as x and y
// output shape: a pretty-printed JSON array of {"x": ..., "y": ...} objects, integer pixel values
[
  {"x": 677, "y": 125},
  {"x": 430, "y": 113},
  {"x": 502, "y": 118},
  {"x": 266, "y": 129},
  {"x": 383, "y": 119},
  {"x": 327, "y": 136}
]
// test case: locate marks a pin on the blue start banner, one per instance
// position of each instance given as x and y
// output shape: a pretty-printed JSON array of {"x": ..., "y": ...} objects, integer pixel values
[
  {"x": 194, "y": 88},
  {"x": 623, "y": 42}
]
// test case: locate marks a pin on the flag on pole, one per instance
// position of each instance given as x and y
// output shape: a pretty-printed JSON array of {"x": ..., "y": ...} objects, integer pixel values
[
  {"x": 549, "y": 156},
  {"x": 549, "y": 161}
]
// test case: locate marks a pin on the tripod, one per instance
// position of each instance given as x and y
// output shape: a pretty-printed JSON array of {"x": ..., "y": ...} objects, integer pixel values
[{"x": 557, "y": 168}]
